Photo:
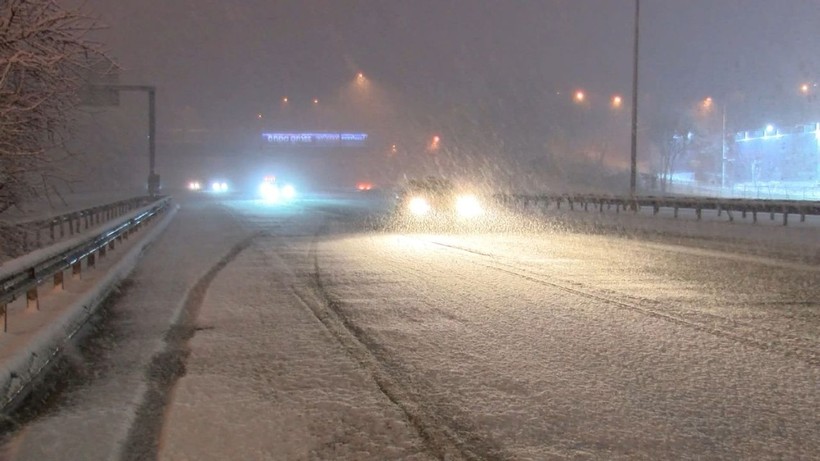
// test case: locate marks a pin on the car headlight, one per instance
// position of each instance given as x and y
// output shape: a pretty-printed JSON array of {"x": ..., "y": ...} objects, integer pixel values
[
  {"x": 468, "y": 206},
  {"x": 269, "y": 191},
  {"x": 418, "y": 206}
]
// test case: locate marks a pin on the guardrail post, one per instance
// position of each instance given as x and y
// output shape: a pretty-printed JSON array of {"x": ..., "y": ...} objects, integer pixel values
[
  {"x": 62, "y": 229},
  {"x": 754, "y": 216},
  {"x": 51, "y": 230},
  {"x": 698, "y": 212},
  {"x": 3, "y": 312},
  {"x": 676, "y": 211},
  {"x": 77, "y": 270},
  {"x": 91, "y": 260},
  {"x": 59, "y": 281},
  {"x": 32, "y": 300},
  {"x": 785, "y": 218},
  {"x": 103, "y": 250}
]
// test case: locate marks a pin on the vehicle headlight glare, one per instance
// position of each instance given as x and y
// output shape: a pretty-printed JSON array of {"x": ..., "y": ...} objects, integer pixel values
[
  {"x": 468, "y": 206},
  {"x": 269, "y": 191},
  {"x": 418, "y": 206}
]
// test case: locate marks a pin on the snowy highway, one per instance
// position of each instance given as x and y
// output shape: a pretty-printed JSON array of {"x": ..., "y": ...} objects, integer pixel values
[{"x": 309, "y": 332}]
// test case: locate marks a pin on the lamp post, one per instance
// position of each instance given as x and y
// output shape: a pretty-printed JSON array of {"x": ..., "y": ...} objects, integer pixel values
[
  {"x": 723, "y": 152},
  {"x": 707, "y": 105},
  {"x": 634, "y": 139}
]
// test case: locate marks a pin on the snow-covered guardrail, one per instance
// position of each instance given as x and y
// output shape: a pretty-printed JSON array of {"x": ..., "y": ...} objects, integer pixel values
[
  {"x": 800, "y": 208},
  {"x": 24, "y": 278},
  {"x": 22, "y": 238}
]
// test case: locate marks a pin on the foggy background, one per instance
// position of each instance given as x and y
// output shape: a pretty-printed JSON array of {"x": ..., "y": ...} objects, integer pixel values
[{"x": 495, "y": 80}]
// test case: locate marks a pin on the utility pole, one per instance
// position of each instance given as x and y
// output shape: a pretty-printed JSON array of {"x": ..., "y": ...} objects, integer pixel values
[{"x": 634, "y": 145}]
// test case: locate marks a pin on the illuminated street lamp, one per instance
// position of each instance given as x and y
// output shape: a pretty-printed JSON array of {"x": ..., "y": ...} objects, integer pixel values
[
  {"x": 435, "y": 143},
  {"x": 259, "y": 116},
  {"x": 285, "y": 99},
  {"x": 580, "y": 96},
  {"x": 769, "y": 129},
  {"x": 315, "y": 101},
  {"x": 707, "y": 103},
  {"x": 617, "y": 101},
  {"x": 805, "y": 88}
]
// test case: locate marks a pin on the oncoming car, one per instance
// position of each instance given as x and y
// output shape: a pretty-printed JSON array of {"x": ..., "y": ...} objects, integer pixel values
[
  {"x": 271, "y": 191},
  {"x": 438, "y": 201}
]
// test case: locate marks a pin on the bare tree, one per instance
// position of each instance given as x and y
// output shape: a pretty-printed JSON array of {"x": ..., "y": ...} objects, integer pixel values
[
  {"x": 45, "y": 58},
  {"x": 671, "y": 133}
]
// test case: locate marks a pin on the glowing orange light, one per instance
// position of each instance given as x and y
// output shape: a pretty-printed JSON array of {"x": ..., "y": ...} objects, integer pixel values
[
  {"x": 580, "y": 96},
  {"x": 616, "y": 101},
  {"x": 315, "y": 101},
  {"x": 285, "y": 99},
  {"x": 707, "y": 103}
]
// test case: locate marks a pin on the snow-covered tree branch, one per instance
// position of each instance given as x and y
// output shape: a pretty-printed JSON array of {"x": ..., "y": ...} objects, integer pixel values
[{"x": 45, "y": 58}]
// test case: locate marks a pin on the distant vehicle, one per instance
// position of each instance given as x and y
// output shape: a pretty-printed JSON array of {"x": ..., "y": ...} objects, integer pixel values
[
  {"x": 219, "y": 186},
  {"x": 437, "y": 200},
  {"x": 195, "y": 186},
  {"x": 364, "y": 186},
  {"x": 271, "y": 191}
]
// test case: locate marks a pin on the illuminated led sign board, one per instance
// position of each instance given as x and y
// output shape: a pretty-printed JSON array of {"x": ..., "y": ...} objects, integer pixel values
[{"x": 317, "y": 139}]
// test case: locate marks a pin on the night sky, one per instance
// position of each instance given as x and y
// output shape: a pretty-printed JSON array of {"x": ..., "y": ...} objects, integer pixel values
[{"x": 507, "y": 67}]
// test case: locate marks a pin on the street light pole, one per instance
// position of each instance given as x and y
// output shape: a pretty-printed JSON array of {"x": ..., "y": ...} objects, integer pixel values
[
  {"x": 634, "y": 143},
  {"x": 723, "y": 152}
]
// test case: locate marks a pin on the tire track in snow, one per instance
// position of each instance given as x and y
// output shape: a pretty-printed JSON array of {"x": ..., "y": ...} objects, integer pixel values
[
  {"x": 789, "y": 347},
  {"x": 168, "y": 365},
  {"x": 443, "y": 441}
]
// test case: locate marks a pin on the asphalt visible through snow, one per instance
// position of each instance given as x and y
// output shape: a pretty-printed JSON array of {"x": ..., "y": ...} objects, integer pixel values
[{"x": 255, "y": 331}]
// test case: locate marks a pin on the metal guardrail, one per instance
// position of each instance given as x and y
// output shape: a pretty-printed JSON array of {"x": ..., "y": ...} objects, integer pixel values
[
  {"x": 801, "y": 208},
  {"x": 21, "y": 238},
  {"x": 27, "y": 280}
]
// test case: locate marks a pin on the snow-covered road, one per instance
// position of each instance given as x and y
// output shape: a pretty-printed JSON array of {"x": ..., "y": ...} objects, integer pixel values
[{"x": 307, "y": 334}]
